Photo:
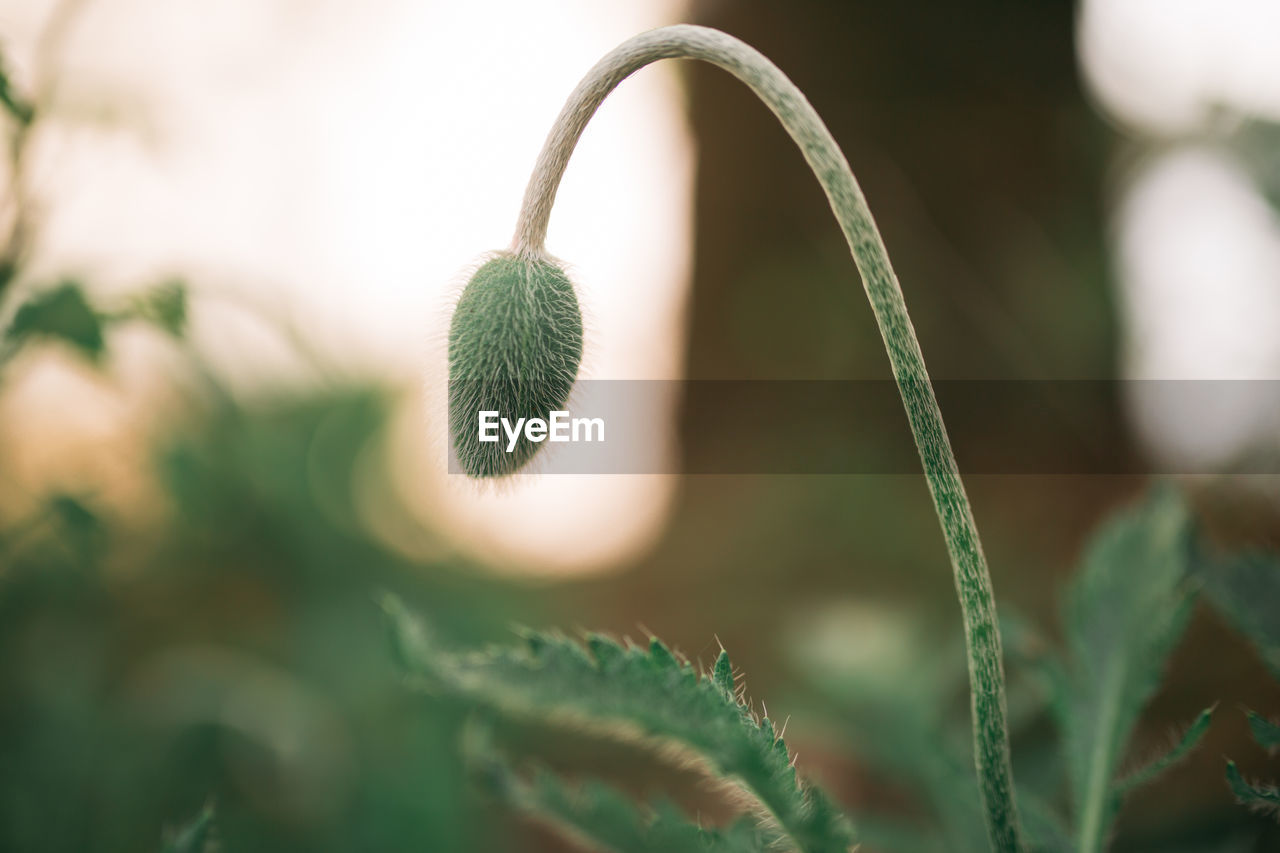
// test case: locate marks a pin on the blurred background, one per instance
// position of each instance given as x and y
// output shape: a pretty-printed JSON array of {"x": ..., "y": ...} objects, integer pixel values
[{"x": 231, "y": 235}]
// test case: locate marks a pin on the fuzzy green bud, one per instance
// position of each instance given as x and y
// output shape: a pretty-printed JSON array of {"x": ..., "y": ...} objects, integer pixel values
[{"x": 515, "y": 345}]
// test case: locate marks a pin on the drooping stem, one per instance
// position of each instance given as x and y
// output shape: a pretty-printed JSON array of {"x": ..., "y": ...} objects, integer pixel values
[{"x": 973, "y": 582}]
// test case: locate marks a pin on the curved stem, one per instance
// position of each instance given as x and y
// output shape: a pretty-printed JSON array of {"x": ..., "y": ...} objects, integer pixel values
[{"x": 973, "y": 583}]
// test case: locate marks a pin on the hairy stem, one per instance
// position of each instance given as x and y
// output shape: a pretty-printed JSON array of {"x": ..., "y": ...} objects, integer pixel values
[{"x": 973, "y": 582}]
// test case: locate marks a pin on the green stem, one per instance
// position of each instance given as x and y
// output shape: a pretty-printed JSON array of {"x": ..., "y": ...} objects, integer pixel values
[{"x": 973, "y": 583}]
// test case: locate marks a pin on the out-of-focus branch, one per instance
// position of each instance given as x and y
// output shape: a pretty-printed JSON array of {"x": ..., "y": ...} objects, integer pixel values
[{"x": 24, "y": 112}]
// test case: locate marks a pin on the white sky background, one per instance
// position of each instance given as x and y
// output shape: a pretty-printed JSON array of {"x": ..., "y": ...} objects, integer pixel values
[
  {"x": 1196, "y": 245},
  {"x": 343, "y": 164}
]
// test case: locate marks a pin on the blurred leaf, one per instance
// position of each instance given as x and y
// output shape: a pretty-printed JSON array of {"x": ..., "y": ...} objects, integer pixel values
[
  {"x": 1045, "y": 830},
  {"x": 16, "y": 105},
  {"x": 1265, "y": 732},
  {"x": 611, "y": 822},
  {"x": 79, "y": 529},
  {"x": 1180, "y": 750},
  {"x": 893, "y": 708},
  {"x": 1126, "y": 610},
  {"x": 1259, "y": 797},
  {"x": 607, "y": 820},
  {"x": 196, "y": 836},
  {"x": 644, "y": 694},
  {"x": 1246, "y": 588},
  {"x": 165, "y": 306},
  {"x": 410, "y": 645},
  {"x": 74, "y": 514},
  {"x": 62, "y": 313},
  {"x": 889, "y": 835}
]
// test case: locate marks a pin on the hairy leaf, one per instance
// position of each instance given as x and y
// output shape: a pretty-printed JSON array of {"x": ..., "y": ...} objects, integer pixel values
[
  {"x": 1261, "y": 797},
  {"x": 62, "y": 313},
  {"x": 1257, "y": 796},
  {"x": 1184, "y": 746},
  {"x": 606, "y": 820},
  {"x": 1126, "y": 610},
  {"x": 647, "y": 694}
]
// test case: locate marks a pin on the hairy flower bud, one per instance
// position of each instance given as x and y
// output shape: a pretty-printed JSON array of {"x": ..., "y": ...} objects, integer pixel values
[{"x": 515, "y": 344}]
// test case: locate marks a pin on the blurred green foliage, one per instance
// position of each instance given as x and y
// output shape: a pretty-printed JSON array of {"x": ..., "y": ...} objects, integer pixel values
[
  {"x": 231, "y": 650},
  {"x": 220, "y": 675},
  {"x": 61, "y": 313}
]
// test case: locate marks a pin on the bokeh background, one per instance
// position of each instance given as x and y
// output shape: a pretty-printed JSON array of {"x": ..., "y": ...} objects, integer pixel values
[{"x": 269, "y": 205}]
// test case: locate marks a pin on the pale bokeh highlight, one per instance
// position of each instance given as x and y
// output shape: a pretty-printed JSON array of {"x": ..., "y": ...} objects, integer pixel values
[
  {"x": 1171, "y": 66},
  {"x": 341, "y": 166},
  {"x": 1195, "y": 243},
  {"x": 1199, "y": 253}
]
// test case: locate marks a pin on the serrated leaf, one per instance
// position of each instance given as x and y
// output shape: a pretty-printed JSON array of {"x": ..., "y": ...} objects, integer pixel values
[
  {"x": 603, "y": 819},
  {"x": 1180, "y": 750},
  {"x": 722, "y": 673},
  {"x": 1265, "y": 732},
  {"x": 648, "y": 695},
  {"x": 1246, "y": 588},
  {"x": 1259, "y": 797},
  {"x": 1126, "y": 611},
  {"x": 196, "y": 836},
  {"x": 62, "y": 313}
]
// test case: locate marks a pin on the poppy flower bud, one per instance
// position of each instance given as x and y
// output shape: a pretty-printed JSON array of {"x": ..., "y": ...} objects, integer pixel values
[{"x": 515, "y": 345}]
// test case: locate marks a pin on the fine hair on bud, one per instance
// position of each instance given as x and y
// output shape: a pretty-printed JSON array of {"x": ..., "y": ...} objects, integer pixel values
[{"x": 515, "y": 346}]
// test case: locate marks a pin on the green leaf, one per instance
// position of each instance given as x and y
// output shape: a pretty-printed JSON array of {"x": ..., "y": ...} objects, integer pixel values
[
  {"x": 1246, "y": 588},
  {"x": 604, "y": 819},
  {"x": 645, "y": 695},
  {"x": 62, "y": 313},
  {"x": 1265, "y": 732},
  {"x": 410, "y": 644},
  {"x": 75, "y": 514},
  {"x": 722, "y": 673},
  {"x": 1259, "y": 797},
  {"x": 196, "y": 836},
  {"x": 893, "y": 680},
  {"x": 165, "y": 306},
  {"x": 1045, "y": 830},
  {"x": 1126, "y": 611},
  {"x": 17, "y": 106},
  {"x": 1180, "y": 750}
]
